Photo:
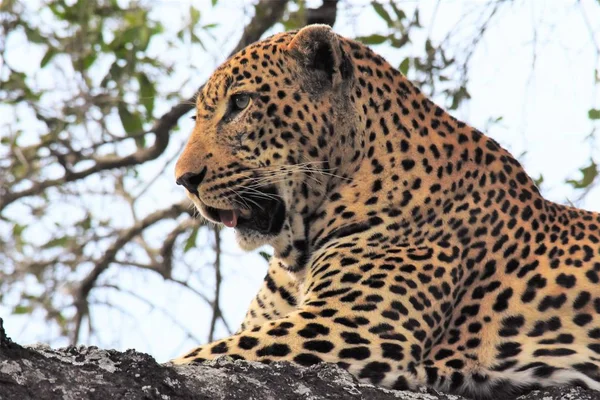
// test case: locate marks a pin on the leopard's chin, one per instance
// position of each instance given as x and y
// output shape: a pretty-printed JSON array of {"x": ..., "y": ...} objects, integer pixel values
[{"x": 250, "y": 240}]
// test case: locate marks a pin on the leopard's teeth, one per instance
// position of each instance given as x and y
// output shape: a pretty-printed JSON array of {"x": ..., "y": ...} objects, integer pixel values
[{"x": 245, "y": 213}]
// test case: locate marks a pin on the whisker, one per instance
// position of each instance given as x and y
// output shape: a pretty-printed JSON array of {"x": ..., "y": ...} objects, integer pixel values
[
  {"x": 259, "y": 194},
  {"x": 246, "y": 205},
  {"x": 298, "y": 168},
  {"x": 265, "y": 181}
]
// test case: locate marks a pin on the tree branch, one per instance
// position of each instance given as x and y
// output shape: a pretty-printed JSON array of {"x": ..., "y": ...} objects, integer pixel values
[
  {"x": 166, "y": 251},
  {"x": 218, "y": 280},
  {"x": 82, "y": 292},
  {"x": 326, "y": 14},
  {"x": 267, "y": 13}
]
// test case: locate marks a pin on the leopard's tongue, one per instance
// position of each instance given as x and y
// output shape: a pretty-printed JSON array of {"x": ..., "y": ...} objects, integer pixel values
[{"x": 229, "y": 217}]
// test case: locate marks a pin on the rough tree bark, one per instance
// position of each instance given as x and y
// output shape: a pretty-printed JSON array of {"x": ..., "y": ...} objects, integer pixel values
[{"x": 39, "y": 372}]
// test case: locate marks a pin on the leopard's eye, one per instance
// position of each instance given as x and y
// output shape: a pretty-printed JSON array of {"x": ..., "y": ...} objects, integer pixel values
[{"x": 240, "y": 101}]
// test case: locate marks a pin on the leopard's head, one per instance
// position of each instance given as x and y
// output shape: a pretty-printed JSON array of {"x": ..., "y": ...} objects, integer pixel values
[{"x": 275, "y": 125}]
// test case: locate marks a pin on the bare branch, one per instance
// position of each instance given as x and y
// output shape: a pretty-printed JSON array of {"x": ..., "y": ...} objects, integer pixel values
[
  {"x": 216, "y": 311},
  {"x": 152, "y": 306},
  {"x": 125, "y": 236},
  {"x": 166, "y": 251},
  {"x": 325, "y": 14},
  {"x": 267, "y": 13}
]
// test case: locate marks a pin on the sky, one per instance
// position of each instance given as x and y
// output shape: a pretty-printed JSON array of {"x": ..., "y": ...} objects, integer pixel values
[{"x": 533, "y": 68}]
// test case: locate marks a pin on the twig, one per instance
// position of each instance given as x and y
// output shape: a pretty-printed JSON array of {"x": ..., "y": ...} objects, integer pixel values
[
  {"x": 125, "y": 236},
  {"x": 218, "y": 280},
  {"x": 166, "y": 251}
]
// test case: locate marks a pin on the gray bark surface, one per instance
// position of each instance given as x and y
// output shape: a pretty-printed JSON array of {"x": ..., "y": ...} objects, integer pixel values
[{"x": 39, "y": 372}]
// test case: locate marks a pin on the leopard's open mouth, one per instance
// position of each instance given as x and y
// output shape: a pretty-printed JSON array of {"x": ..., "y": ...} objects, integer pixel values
[{"x": 265, "y": 213}]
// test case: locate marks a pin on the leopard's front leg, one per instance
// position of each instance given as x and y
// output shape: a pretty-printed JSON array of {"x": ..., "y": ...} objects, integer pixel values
[
  {"x": 315, "y": 335},
  {"x": 277, "y": 297},
  {"x": 379, "y": 318}
]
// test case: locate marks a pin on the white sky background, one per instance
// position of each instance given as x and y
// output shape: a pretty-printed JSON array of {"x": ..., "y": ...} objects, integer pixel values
[{"x": 544, "y": 113}]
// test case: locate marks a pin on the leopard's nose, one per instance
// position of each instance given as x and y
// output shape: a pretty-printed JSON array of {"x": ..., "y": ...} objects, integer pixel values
[{"x": 191, "y": 180}]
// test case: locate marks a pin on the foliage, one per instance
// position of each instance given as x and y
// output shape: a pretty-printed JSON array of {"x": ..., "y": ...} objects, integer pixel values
[{"x": 589, "y": 176}]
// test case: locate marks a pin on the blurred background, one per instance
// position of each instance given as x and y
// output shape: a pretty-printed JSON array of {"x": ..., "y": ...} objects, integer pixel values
[{"x": 98, "y": 245}]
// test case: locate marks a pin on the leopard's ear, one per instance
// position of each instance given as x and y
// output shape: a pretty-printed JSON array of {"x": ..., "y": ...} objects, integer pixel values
[{"x": 317, "y": 49}]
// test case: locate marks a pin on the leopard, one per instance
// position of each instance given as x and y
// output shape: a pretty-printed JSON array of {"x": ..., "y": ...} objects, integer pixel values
[{"x": 409, "y": 248}]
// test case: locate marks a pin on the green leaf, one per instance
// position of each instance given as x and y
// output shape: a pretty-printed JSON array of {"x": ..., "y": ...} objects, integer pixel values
[
  {"x": 195, "y": 39},
  {"x": 33, "y": 35},
  {"x": 85, "y": 223},
  {"x": 538, "y": 181},
  {"x": 48, "y": 56},
  {"x": 458, "y": 96},
  {"x": 383, "y": 13},
  {"x": 265, "y": 255},
  {"x": 191, "y": 240},
  {"x": 404, "y": 66},
  {"x": 140, "y": 141},
  {"x": 131, "y": 35},
  {"x": 144, "y": 35},
  {"x": 132, "y": 123},
  {"x": 89, "y": 60},
  {"x": 416, "y": 19},
  {"x": 18, "y": 229},
  {"x": 214, "y": 2},
  {"x": 147, "y": 93},
  {"x": 58, "y": 242},
  {"x": 400, "y": 14},
  {"x": 373, "y": 39},
  {"x": 594, "y": 114},
  {"x": 57, "y": 9},
  {"x": 194, "y": 15},
  {"x": 114, "y": 74},
  {"x": 19, "y": 310},
  {"x": 429, "y": 47},
  {"x": 589, "y": 175}
]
